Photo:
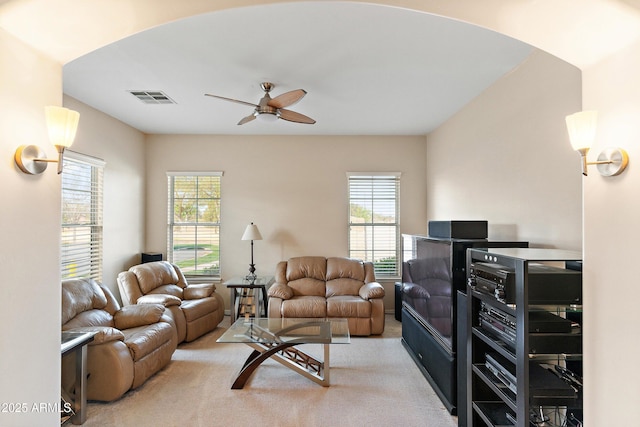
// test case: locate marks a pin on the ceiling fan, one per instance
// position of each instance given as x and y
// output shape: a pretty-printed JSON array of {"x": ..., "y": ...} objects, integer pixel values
[{"x": 273, "y": 108}]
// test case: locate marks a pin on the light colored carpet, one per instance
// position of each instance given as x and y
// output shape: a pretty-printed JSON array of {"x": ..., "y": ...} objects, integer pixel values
[{"x": 374, "y": 382}]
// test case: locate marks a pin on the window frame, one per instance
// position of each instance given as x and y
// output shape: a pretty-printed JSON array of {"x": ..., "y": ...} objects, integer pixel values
[
  {"x": 93, "y": 255},
  {"x": 171, "y": 175},
  {"x": 372, "y": 177}
]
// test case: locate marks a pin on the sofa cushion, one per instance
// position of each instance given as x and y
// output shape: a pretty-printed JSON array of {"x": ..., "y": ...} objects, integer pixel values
[
  {"x": 371, "y": 290},
  {"x": 146, "y": 339},
  {"x": 304, "y": 306},
  {"x": 348, "y": 306},
  {"x": 345, "y": 276},
  {"x": 154, "y": 274},
  {"x": 313, "y": 267},
  {"x": 131, "y": 316},
  {"x": 173, "y": 290},
  {"x": 102, "y": 335},
  {"x": 201, "y": 290},
  {"x": 280, "y": 290},
  {"x": 345, "y": 268},
  {"x": 79, "y": 295},
  {"x": 196, "y": 308},
  {"x": 342, "y": 286},
  {"x": 162, "y": 299},
  {"x": 90, "y": 318},
  {"x": 308, "y": 287}
]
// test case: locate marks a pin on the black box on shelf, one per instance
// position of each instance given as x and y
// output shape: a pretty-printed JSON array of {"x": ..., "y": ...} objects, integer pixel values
[
  {"x": 150, "y": 257},
  {"x": 458, "y": 229}
]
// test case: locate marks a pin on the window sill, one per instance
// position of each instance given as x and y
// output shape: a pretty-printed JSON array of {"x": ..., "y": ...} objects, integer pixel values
[{"x": 203, "y": 279}]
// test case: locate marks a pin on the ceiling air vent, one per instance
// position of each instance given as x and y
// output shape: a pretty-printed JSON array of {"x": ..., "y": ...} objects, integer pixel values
[{"x": 152, "y": 96}]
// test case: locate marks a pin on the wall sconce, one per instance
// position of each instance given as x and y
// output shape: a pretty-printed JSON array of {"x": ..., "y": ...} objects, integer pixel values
[
  {"x": 62, "y": 124},
  {"x": 582, "y": 132}
]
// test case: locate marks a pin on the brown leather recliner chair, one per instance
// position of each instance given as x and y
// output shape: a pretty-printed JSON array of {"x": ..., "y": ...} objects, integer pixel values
[
  {"x": 329, "y": 287},
  {"x": 195, "y": 309},
  {"x": 131, "y": 343}
]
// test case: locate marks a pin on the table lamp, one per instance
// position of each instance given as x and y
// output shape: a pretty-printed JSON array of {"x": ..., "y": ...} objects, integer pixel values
[{"x": 251, "y": 233}]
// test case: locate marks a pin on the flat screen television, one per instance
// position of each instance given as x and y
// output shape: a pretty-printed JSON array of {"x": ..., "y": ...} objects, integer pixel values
[{"x": 432, "y": 272}]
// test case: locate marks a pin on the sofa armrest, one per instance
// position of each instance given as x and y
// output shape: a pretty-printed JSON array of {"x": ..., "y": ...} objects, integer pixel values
[
  {"x": 103, "y": 334},
  {"x": 280, "y": 290},
  {"x": 371, "y": 290},
  {"x": 162, "y": 299},
  {"x": 131, "y": 316},
  {"x": 201, "y": 290}
]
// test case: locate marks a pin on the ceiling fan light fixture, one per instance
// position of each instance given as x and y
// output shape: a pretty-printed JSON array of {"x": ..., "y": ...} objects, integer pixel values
[
  {"x": 268, "y": 116},
  {"x": 270, "y": 110}
]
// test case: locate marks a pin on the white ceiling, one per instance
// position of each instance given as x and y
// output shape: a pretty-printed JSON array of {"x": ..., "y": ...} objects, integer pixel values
[{"x": 368, "y": 69}]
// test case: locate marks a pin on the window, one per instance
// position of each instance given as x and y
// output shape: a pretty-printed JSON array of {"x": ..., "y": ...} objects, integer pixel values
[
  {"x": 374, "y": 225},
  {"x": 81, "y": 243},
  {"x": 194, "y": 222}
]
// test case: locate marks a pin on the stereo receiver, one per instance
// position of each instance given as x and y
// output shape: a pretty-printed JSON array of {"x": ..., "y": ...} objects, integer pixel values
[{"x": 548, "y": 285}]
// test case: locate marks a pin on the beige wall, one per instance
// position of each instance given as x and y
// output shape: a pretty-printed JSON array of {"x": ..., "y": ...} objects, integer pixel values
[
  {"x": 505, "y": 157},
  {"x": 294, "y": 188},
  {"x": 122, "y": 148},
  {"x": 30, "y": 232},
  {"x": 612, "y": 233},
  {"x": 29, "y": 362}
]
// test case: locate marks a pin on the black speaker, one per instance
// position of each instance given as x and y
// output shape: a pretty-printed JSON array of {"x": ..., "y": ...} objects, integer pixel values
[
  {"x": 398, "y": 302},
  {"x": 151, "y": 256},
  {"x": 458, "y": 229}
]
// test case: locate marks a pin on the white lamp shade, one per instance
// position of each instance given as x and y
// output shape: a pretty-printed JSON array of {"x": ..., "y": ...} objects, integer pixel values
[
  {"x": 252, "y": 233},
  {"x": 62, "y": 124},
  {"x": 582, "y": 129}
]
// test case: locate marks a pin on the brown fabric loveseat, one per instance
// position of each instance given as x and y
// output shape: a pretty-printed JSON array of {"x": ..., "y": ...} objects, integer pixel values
[
  {"x": 196, "y": 309},
  {"x": 132, "y": 343},
  {"x": 320, "y": 287}
]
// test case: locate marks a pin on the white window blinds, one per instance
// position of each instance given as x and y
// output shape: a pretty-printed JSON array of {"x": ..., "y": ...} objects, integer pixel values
[
  {"x": 82, "y": 193},
  {"x": 374, "y": 224},
  {"x": 193, "y": 224}
]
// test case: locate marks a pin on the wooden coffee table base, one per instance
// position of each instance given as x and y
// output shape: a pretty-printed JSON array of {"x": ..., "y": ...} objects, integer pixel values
[{"x": 291, "y": 357}]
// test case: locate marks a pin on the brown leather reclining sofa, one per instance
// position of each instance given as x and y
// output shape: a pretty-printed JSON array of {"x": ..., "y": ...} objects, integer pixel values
[
  {"x": 196, "y": 309},
  {"x": 335, "y": 287},
  {"x": 131, "y": 343}
]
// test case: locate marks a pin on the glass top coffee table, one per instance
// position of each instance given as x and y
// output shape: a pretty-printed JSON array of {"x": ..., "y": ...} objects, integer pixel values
[{"x": 276, "y": 338}]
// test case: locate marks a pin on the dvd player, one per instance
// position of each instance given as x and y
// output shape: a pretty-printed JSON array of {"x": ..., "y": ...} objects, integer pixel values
[
  {"x": 548, "y": 333},
  {"x": 544, "y": 386}
]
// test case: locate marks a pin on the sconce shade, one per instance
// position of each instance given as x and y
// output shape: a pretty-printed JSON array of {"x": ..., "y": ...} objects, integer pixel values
[
  {"x": 62, "y": 124},
  {"x": 582, "y": 132},
  {"x": 252, "y": 233},
  {"x": 582, "y": 129}
]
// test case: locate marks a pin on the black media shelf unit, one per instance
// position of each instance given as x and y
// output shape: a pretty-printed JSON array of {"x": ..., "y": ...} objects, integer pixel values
[
  {"x": 530, "y": 354},
  {"x": 433, "y": 285}
]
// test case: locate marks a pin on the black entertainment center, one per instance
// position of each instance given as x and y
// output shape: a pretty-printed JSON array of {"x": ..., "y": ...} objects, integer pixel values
[
  {"x": 434, "y": 304},
  {"x": 524, "y": 346}
]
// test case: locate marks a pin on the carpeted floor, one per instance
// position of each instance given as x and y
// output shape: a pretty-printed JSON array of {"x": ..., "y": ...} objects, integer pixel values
[{"x": 374, "y": 382}]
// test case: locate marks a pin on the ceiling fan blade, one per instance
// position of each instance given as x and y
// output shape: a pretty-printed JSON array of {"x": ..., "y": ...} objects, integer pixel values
[
  {"x": 231, "y": 99},
  {"x": 292, "y": 116},
  {"x": 287, "y": 98},
  {"x": 247, "y": 119}
]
